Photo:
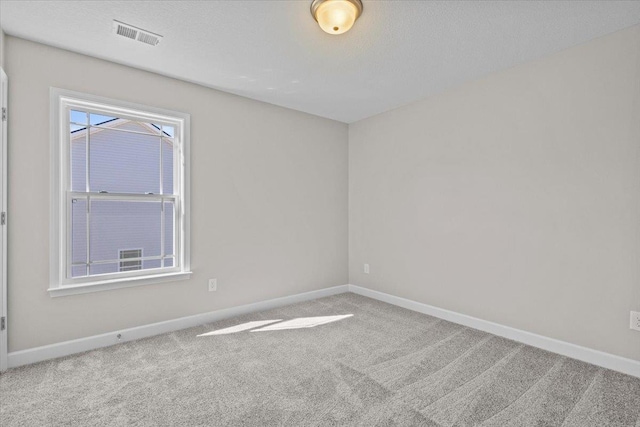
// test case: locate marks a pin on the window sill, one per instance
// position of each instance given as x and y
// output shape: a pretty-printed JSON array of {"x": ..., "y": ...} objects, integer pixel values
[{"x": 128, "y": 282}]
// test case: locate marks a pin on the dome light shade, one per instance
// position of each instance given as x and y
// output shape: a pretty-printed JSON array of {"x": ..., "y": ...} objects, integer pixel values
[{"x": 336, "y": 16}]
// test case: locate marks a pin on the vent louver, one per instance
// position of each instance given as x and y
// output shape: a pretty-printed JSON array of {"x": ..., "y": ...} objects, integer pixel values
[
  {"x": 126, "y": 31},
  {"x": 135, "y": 33}
]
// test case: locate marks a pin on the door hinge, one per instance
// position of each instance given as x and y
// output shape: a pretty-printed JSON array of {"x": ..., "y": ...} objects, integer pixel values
[
  {"x": 3, "y": 323},
  {"x": 4, "y": 114},
  {"x": 3, "y": 218}
]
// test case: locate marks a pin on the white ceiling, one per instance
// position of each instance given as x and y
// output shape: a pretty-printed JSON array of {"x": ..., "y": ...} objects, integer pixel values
[{"x": 273, "y": 51}]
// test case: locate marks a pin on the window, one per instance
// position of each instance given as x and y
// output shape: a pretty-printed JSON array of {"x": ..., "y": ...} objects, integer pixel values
[
  {"x": 120, "y": 181},
  {"x": 128, "y": 264}
]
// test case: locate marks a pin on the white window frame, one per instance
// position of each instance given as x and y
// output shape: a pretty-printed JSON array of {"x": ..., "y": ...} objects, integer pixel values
[{"x": 61, "y": 282}]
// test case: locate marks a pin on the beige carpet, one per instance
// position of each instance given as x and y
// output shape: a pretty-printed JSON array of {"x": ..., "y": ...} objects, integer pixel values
[{"x": 383, "y": 366}]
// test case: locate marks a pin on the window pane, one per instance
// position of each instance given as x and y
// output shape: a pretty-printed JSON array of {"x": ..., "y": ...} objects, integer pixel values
[
  {"x": 167, "y": 166},
  {"x": 79, "y": 161},
  {"x": 124, "y": 162},
  {"x": 103, "y": 268},
  {"x": 121, "y": 225},
  {"x": 168, "y": 262},
  {"x": 78, "y": 271},
  {"x": 168, "y": 131},
  {"x": 78, "y": 231},
  {"x": 99, "y": 119},
  {"x": 169, "y": 237},
  {"x": 152, "y": 263},
  {"x": 78, "y": 117}
]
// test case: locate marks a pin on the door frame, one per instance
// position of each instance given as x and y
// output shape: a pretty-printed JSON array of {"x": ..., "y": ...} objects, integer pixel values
[{"x": 3, "y": 212}]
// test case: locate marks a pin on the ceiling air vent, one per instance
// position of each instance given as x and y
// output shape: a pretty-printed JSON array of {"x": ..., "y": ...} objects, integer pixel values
[{"x": 135, "y": 33}]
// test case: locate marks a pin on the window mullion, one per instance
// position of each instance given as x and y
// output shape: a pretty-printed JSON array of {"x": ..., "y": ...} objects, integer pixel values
[
  {"x": 162, "y": 236},
  {"x": 88, "y": 241},
  {"x": 177, "y": 189},
  {"x": 161, "y": 164},
  {"x": 115, "y": 261},
  {"x": 87, "y": 157},
  {"x": 67, "y": 210},
  {"x": 124, "y": 196},
  {"x": 88, "y": 189},
  {"x": 162, "y": 212}
]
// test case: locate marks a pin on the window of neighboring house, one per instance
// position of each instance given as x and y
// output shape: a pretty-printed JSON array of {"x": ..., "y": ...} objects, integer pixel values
[
  {"x": 126, "y": 261},
  {"x": 120, "y": 180}
]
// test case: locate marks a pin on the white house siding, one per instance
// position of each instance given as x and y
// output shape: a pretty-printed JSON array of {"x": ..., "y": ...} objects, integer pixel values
[{"x": 120, "y": 162}]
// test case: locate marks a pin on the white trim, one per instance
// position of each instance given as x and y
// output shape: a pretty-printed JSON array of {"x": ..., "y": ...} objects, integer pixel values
[
  {"x": 105, "y": 285},
  {"x": 4, "y": 86},
  {"x": 38, "y": 354},
  {"x": 595, "y": 357},
  {"x": 59, "y": 282}
]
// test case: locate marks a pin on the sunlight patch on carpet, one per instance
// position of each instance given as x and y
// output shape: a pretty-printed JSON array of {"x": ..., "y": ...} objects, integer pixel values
[
  {"x": 298, "y": 323},
  {"x": 302, "y": 322},
  {"x": 240, "y": 328}
]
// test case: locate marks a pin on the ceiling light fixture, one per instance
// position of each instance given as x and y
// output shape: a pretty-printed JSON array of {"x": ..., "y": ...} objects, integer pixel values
[{"x": 336, "y": 16}]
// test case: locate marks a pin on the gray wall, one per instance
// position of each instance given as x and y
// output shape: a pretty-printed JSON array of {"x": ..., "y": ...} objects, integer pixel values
[
  {"x": 268, "y": 199},
  {"x": 2, "y": 36},
  {"x": 514, "y": 198}
]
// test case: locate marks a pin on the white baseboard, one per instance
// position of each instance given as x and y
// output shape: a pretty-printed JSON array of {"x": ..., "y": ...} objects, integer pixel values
[
  {"x": 595, "y": 357},
  {"x": 38, "y": 354},
  {"x": 599, "y": 358}
]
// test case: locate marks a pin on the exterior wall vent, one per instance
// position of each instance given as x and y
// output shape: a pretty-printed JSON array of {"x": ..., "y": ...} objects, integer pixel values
[{"x": 135, "y": 33}]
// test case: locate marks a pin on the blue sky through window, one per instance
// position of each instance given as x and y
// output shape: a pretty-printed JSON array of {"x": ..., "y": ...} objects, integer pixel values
[
  {"x": 96, "y": 119},
  {"x": 78, "y": 117}
]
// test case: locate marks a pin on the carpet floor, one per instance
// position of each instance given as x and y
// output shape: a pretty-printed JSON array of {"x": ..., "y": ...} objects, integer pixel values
[{"x": 382, "y": 366}]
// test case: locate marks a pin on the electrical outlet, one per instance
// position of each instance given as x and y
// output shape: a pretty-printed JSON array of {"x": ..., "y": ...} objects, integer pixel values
[
  {"x": 213, "y": 285},
  {"x": 635, "y": 320},
  {"x": 366, "y": 269}
]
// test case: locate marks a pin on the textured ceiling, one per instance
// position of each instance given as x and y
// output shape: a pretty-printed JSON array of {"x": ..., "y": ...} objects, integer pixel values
[{"x": 273, "y": 51}]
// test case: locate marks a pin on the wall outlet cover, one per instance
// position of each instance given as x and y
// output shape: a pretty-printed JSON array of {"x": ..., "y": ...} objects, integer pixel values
[
  {"x": 366, "y": 268},
  {"x": 213, "y": 285},
  {"x": 635, "y": 320}
]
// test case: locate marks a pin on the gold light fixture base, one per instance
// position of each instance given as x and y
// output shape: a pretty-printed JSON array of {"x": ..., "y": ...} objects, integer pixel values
[{"x": 336, "y": 16}]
